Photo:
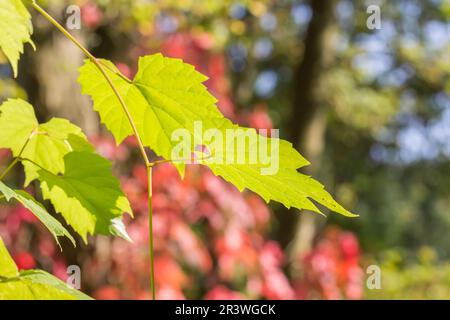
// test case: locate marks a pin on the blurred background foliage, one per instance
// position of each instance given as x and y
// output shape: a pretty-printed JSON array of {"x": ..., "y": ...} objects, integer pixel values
[{"x": 369, "y": 108}]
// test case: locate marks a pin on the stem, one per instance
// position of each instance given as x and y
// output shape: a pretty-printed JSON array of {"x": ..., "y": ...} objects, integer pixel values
[
  {"x": 150, "y": 229},
  {"x": 9, "y": 168},
  {"x": 36, "y": 164},
  {"x": 154, "y": 163},
  {"x": 17, "y": 159},
  {"x": 101, "y": 67}
]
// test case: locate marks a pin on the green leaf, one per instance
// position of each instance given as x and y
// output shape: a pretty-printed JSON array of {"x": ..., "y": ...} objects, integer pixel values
[
  {"x": 53, "y": 225},
  {"x": 16, "y": 30},
  {"x": 8, "y": 267},
  {"x": 167, "y": 95},
  {"x": 44, "y": 148},
  {"x": 245, "y": 168},
  {"x": 45, "y": 144},
  {"x": 87, "y": 195},
  {"x": 31, "y": 284},
  {"x": 52, "y": 141},
  {"x": 106, "y": 103},
  {"x": 38, "y": 285},
  {"x": 17, "y": 122}
]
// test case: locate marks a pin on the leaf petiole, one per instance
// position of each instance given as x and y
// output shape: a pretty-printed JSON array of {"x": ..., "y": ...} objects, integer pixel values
[
  {"x": 17, "y": 159},
  {"x": 7, "y": 170}
]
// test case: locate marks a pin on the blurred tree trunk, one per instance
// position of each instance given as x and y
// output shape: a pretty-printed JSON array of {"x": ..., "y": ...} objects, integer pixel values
[{"x": 308, "y": 122}]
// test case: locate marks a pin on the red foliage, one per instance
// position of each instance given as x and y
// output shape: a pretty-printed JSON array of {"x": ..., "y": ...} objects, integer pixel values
[
  {"x": 24, "y": 260},
  {"x": 259, "y": 119},
  {"x": 223, "y": 293},
  {"x": 91, "y": 15},
  {"x": 331, "y": 270},
  {"x": 107, "y": 293}
]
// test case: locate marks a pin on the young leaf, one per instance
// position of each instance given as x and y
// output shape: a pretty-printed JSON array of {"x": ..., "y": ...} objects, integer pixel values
[
  {"x": 17, "y": 122},
  {"x": 53, "y": 225},
  {"x": 8, "y": 268},
  {"x": 167, "y": 95},
  {"x": 31, "y": 284},
  {"x": 87, "y": 195},
  {"x": 105, "y": 101},
  {"x": 45, "y": 144},
  {"x": 16, "y": 30},
  {"x": 44, "y": 148},
  {"x": 52, "y": 141},
  {"x": 38, "y": 285}
]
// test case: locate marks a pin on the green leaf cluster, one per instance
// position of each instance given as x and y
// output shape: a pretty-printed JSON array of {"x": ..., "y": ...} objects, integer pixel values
[{"x": 76, "y": 180}]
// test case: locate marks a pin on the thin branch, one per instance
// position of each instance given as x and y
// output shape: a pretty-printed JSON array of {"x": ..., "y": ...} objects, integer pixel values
[
  {"x": 17, "y": 159},
  {"x": 36, "y": 164},
  {"x": 8, "y": 169},
  {"x": 150, "y": 229},
  {"x": 115, "y": 72}
]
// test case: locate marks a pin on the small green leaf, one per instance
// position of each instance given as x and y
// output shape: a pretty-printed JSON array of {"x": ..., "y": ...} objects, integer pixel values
[
  {"x": 52, "y": 141},
  {"x": 118, "y": 229},
  {"x": 44, "y": 148},
  {"x": 8, "y": 267},
  {"x": 17, "y": 122},
  {"x": 45, "y": 144},
  {"x": 16, "y": 30},
  {"x": 38, "y": 285},
  {"x": 53, "y": 225},
  {"x": 31, "y": 284},
  {"x": 87, "y": 194}
]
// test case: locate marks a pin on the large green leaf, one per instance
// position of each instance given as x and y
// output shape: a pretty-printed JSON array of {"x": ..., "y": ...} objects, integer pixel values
[
  {"x": 87, "y": 195},
  {"x": 31, "y": 284},
  {"x": 16, "y": 29},
  {"x": 45, "y": 144},
  {"x": 168, "y": 95},
  {"x": 38, "y": 285},
  {"x": 53, "y": 225},
  {"x": 44, "y": 148},
  {"x": 274, "y": 177}
]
